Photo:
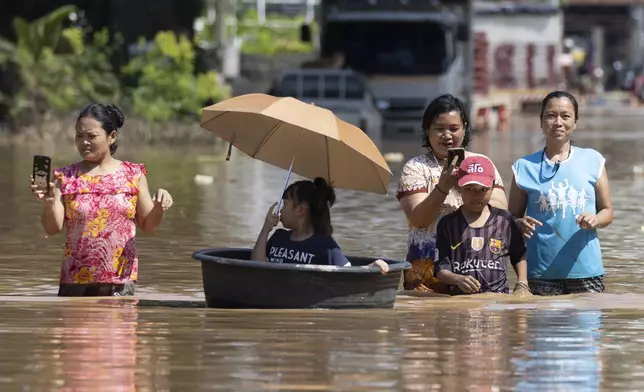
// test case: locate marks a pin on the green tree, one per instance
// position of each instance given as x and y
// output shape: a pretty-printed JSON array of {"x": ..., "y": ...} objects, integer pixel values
[
  {"x": 167, "y": 86},
  {"x": 278, "y": 35},
  {"x": 56, "y": 70}
]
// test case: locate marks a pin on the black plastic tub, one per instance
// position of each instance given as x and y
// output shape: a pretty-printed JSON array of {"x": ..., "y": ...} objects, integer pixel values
[{"x": 231, "y": 280}]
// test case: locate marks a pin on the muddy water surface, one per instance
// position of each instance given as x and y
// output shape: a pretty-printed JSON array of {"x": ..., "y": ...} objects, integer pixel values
[{"x": 166, "y": 340}]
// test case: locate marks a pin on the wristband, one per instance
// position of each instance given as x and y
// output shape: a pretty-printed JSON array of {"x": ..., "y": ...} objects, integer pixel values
[{"x": 441, "y": 191}]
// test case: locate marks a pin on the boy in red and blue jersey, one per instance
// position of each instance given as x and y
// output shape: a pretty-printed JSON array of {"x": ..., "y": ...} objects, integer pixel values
[{"x": 475, "y": 243}]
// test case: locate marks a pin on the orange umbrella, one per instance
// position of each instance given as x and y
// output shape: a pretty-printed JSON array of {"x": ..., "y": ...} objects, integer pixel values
[{"x": 296, "y": 136}]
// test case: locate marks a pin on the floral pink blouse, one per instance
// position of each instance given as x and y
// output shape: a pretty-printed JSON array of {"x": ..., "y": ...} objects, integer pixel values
[{"x": 100, "y": 216}]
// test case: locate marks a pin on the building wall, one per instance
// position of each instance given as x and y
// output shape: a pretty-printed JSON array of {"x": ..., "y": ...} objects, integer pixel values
[
  {"x": 517, "y": 52},
  {"x": 520, "y": 28}
]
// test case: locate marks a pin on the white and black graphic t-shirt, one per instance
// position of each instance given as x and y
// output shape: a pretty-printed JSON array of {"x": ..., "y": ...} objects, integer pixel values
[{"x": 319, "y": 249}]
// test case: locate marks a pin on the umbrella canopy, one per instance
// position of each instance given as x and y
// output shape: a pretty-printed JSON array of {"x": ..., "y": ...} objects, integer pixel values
[{"x": 285, "y": 131}]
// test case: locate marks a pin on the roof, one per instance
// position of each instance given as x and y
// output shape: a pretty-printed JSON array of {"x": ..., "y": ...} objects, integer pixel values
[
  {"x": 565, "y": 3},
  {"x": 320, "y": 71}
]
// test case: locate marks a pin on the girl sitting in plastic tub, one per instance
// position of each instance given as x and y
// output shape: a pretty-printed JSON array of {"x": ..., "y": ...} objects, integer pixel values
[{"x": 307, "y": 238}]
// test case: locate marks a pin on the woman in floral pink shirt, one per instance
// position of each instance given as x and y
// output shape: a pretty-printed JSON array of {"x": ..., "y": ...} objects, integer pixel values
[{"x": 100, "y": 200}]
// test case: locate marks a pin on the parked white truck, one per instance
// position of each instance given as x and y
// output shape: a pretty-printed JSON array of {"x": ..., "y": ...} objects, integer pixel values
[
  {"x": 410, "y": 51},
  {"x": 344, "y": 92}
]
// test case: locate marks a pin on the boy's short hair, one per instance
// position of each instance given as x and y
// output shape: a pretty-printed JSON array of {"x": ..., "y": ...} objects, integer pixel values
[{"x": 477, "y": 170}]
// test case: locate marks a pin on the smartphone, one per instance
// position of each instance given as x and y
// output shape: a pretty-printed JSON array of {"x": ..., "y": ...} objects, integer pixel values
[
  {"x": 42, "y": 171},
  {"x": 455, "y": 152}
]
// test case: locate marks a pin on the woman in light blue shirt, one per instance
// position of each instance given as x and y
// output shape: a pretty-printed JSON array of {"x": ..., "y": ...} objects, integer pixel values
[{"x": 560, "y": 196}]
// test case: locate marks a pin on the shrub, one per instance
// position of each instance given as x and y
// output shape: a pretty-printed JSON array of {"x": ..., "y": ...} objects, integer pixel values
[
  {"x": 279, "y": 35},
  {"x": 167, "y": 87},
  {"x": 55, "y": 70}
]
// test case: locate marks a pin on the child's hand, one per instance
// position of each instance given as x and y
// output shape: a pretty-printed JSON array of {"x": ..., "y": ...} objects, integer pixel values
[
  {"x": 468, "y": 284},
  {"x": 521, "y": 289},
  {"x": 272, "y": 219},
  {"x": 384, "y": 267},
  {"x": 528, "y": 225}
]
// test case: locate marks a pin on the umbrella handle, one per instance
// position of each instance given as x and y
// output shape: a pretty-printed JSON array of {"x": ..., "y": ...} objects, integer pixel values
[
  {"x": 288, "y": 177},
  {"x": 230, "y": 147}
]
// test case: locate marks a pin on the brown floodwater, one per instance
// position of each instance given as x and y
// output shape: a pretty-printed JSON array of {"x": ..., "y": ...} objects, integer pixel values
[{"x": 165, "y": 339}]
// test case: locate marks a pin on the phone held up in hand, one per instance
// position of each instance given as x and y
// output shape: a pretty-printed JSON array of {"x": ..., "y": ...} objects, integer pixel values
[
  {"x": 455, "y": 152},
  {"x": 42, "y": 171}
]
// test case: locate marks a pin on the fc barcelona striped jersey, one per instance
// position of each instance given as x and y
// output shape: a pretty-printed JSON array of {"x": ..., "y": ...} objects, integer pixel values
[{"x": 483, "y": 252}]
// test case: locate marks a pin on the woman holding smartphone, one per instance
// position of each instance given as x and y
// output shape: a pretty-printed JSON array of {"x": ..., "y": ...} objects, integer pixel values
[
  {"x": 100, "y": 200},
  {"x": 427, "y": 190}
]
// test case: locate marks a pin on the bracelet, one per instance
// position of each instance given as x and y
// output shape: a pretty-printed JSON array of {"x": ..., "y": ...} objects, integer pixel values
[{"x": 441, "y": 191}]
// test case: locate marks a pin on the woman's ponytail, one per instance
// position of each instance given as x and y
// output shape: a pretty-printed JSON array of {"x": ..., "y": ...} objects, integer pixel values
[
  {"x": 319, "y": 197},
  {"x": 321, "y": 214}
]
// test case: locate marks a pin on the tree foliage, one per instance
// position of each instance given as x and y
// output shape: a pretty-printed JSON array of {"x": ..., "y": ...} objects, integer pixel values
[
  {"x": 59, "y": 69},
  {"x": 55, "y": 69},
  {"x": 168, "y": 87},
  {"x": 279, "y": 35}
]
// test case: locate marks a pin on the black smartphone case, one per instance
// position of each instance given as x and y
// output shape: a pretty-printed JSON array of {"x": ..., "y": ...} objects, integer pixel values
[
  {"x": 42, "y": 171},
  {"x": 451, "y": 154}
]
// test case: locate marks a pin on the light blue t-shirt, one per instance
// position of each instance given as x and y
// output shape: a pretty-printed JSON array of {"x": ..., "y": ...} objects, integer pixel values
[{"x": 560, "y": 249}]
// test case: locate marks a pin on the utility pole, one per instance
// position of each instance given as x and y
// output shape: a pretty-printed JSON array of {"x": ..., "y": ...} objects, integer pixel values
[
  {"x": 468, "y": 55},
  {"x": 261, "y": 11},
  {"x": 637, "y": 34},
  {"x": 219, "y": 30},
  {"x": 310, "y": 11}
]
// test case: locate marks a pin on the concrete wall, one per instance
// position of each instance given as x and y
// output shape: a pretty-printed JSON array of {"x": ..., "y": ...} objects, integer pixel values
[
  {"x": 519, "y": 51},
  {"x": 537, "y": 29}
]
